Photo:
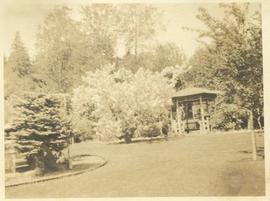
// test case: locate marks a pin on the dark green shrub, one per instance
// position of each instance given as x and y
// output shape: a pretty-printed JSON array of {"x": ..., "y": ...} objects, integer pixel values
[
  {"x": 229, "y": 117},
  {"x": 40, "y": 129}
]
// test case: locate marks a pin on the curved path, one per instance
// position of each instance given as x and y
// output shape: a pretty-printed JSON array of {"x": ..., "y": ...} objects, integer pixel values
[{"x": 210, "y": 165}]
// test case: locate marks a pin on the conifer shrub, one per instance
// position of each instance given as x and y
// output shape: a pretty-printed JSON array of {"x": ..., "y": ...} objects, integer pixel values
[{"x": 41, "y": 129}]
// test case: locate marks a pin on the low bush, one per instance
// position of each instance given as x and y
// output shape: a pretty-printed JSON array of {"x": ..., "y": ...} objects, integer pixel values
[{"x": 229, "y": 117}]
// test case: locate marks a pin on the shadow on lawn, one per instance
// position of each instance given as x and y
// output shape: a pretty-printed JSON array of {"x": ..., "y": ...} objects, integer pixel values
[
  {"x": 260, "y": 151},
  {"x": 75, "y": 168},
  {"x": 148, "y": 140},
  {"x": 243, "y": 178}
]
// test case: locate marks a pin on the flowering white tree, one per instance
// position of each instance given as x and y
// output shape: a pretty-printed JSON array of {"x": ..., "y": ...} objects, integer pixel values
[{"x": 114, "y": 102}]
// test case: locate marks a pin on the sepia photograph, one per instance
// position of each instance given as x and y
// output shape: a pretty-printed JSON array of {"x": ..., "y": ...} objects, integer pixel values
[{"x": 144, "y": 99}]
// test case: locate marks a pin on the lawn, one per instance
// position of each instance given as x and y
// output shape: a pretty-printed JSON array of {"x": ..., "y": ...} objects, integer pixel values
[{"x": 210, "y": 165}]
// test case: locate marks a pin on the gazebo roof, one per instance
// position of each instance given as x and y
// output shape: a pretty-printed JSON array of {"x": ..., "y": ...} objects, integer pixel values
[{"x": 195, "y": 91}]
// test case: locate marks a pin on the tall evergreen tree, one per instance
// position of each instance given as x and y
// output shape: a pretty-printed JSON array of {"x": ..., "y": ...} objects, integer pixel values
[
  {"x": 17, "y": 68},
  {"x": 19, "y": 60}
]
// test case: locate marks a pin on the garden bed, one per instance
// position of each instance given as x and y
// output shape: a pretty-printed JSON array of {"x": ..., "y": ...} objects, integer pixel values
[{"x": 81, "y": 164}]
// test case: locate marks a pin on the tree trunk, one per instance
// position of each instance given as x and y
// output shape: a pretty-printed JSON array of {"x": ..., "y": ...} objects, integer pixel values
[
  {"x": 259, "y": 118},
  {"x": 253, "y": 137},
  {"x": 259, "y": 122},
  {"x": 250, "y": 120},
  {"x": 136, "y": 34},
  {"x": 69, "y": 155},
  {"x": 59, "y": 81}
]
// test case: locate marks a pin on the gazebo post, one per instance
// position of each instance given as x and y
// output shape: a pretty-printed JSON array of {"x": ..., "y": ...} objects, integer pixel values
[
  {"x": 171, "y": 117},
  {"x": 215, "y": 107},
  {"x": 202, "y": 115},
  {"x": 214, "y": 112},
  {"x": 178, "y": 117},
  {"x": 182, "y": 125},
  {"x": 186, "y": 118}
]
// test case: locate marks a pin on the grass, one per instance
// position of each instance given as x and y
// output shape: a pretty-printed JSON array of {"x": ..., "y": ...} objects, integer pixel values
[{"x": 210, "y": 165}]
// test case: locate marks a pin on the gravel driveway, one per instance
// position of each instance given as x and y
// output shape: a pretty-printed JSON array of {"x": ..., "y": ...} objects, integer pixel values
[{"x": 210, "y": 165}]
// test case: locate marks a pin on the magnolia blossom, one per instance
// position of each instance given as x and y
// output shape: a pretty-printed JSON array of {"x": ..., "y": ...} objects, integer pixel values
[{"x": 114, "y": 100}]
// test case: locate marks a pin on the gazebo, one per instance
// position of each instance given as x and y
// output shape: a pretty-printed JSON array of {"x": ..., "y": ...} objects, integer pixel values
[{"x": 192, "y": 109}]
